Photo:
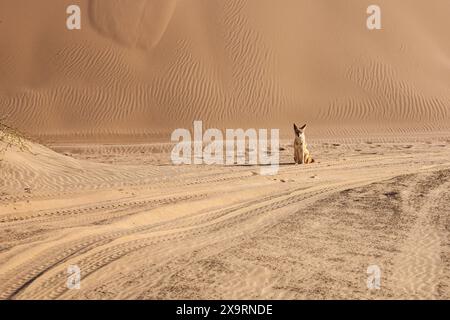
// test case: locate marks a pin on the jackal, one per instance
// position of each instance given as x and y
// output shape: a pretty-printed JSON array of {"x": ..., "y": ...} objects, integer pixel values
[{"x": 301, "y": 153}]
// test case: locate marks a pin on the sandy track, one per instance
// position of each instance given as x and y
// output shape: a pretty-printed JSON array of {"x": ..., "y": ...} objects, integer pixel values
[
  {"x": 420, "y": 265},
  {"x": 226, "y": 232}
]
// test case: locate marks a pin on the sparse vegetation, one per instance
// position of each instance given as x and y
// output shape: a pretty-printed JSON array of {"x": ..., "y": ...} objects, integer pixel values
[{"x": 10, "y": 137}]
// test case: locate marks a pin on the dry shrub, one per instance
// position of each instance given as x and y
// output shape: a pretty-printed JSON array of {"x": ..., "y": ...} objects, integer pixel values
[{"x": 11, "y": 137}]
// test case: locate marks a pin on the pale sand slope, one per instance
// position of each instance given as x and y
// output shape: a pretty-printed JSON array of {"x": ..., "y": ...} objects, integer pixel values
[
  {"x": 140, "y": 68},
  {"x": 163, "y": 231}
]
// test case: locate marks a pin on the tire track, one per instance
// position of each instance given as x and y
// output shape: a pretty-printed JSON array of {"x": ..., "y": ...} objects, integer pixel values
[
  {"x": 419, "y": 267},
  {"x": 41, "y": 216},
  {"x": 92, "y": 263}
]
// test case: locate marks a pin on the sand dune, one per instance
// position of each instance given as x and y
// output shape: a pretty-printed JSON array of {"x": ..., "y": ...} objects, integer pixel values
[
  {"x": 137, "y": 23},
  {"x": 139, "y": 69}
]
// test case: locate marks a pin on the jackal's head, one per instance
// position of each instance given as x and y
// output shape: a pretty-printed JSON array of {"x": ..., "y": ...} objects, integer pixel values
[{"x": 300, "y": 132}]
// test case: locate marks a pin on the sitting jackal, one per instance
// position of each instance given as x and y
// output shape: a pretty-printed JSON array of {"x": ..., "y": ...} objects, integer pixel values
[{"x": 301, "y": 153}]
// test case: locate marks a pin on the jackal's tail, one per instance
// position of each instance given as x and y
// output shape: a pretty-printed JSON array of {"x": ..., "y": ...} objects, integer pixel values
[{"x": 309, "y": 160}]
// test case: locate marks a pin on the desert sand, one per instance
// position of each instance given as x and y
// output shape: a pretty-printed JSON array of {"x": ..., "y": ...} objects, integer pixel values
[
  {"x": 143, "y": 231},
  {"x": 97, "y": 188}
]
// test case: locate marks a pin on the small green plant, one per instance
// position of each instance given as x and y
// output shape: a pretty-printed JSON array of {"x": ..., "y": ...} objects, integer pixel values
[{"x": 11, "y": 137}]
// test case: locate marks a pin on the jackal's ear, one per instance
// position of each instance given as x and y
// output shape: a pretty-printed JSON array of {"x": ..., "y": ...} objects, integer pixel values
[
  {"x": 303, "y": 128},
  {"x": 296, "y": 129}
]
